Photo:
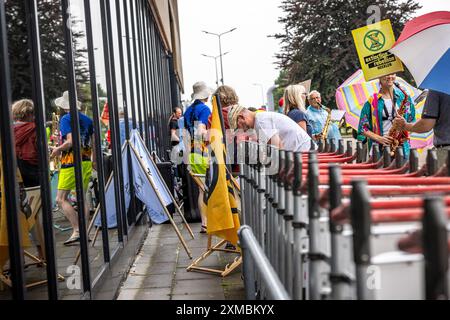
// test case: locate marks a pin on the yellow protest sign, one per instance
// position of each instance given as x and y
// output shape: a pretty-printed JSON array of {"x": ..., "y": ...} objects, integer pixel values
[{"x": 372, "y": 44}]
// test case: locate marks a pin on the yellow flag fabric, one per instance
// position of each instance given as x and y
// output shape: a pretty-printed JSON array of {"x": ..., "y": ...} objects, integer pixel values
[
  {"x": 3, "y": 222},
  {"x": 222, "y": 211}
]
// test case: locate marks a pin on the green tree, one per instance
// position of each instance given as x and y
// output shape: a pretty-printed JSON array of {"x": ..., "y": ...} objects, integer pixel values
[
  {"x": 317, "y": 43},
  {"x": 52, "y": 51}
]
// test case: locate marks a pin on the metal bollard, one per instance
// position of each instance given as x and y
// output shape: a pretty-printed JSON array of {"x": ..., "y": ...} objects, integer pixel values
[
  {"x": 262, "y": 156},
  {"x": 399, "y": 158},
  {"x": 435, "y": 249},
  {"x": 387, "y": 156},
  {"x": 432, "y": 162},
  {"x": 326, "y": 147},
  {"x": 361, "y": 225},
  {"x": 341, "y": 149},
  {"x": 376, "y": 153},
  {"x": 273, "y": 223},
  {"x": 359, "y": 152},
  {"x": 320, "y": 146},
  {"x": 251, "y": 185},
  {"x": 333, "y": 145},
  {"x": 313, "y": 145},
  {"x": 340, "y": 281},
  {"x": 300, "y": 231},
  {"x": 268, "y": 202},
  {"x": 448, "y": 163},
  {"x": 349, "y": 149},
  {"x": 280, "y": 212},
  {"x": 243, "y": 178},
  {"x": 288, "y": 218},
  {"x": 314, "y": 229},
  {"x": 414, "y": 161}
]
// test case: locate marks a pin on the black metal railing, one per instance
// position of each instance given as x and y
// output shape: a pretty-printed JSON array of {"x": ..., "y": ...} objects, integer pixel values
[{"x": 139, "y": 78}]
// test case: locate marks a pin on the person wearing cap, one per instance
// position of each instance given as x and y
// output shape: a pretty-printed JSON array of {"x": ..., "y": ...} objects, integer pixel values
[
  {"x": 66, "y": 182},
  {"x": 272, "y": 128},
  {"x": 195, "y": 122}
]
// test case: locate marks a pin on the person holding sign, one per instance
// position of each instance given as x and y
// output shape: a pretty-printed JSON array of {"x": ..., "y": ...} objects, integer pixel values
[{"x": 379, "y": 112}]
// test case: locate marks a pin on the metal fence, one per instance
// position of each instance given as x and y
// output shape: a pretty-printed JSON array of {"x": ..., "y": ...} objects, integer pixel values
[
  {"x": 136, "y": 63},
  {"x": 326, "y": 237}
]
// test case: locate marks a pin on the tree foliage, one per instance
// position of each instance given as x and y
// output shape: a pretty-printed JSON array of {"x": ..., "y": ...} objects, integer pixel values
[
  {"x": 52, "y": 51},
  {"x": 317, "y": 43}
]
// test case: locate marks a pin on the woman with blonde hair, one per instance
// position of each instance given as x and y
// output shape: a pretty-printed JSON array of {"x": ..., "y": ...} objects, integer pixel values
[
  {"x": 26, "y": 142},
  {"x": 294, "y": 106}
]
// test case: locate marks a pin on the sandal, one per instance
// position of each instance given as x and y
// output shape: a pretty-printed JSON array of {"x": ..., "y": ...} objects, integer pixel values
[{"x": 203, "y": 230}]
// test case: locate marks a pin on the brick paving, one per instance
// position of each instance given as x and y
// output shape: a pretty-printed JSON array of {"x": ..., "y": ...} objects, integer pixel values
[{"x": 159, "y": 271}]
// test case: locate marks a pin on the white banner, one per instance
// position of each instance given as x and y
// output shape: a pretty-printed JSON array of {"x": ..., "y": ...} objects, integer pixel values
[
  {"x": 110, "y": 194},
  {"x": 151, "y": 168},
  {"x": 146, "y": 193}
]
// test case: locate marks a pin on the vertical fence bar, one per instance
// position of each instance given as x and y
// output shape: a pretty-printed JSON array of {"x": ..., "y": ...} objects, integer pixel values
[
  {"x": 361, "y": 225},
  {"x": 136, "y": 69},
  {"x": 39, "y": 111},
  {"x": 143, "y": 73},
  {"x": 435, "y": 245},
  {"x": 132, "y": 207},
  {"x": 149, "y": 76},
  {"x": 115, "y": 129},
  {"x": 97, "y": 129},
  {"x": 111, "y": 102},
  {"x": 75, "y": 125},
  {"x": 130, "y": 62},
  {"x": 314, "y": 228},
  {"x": 10, "y": 167}
]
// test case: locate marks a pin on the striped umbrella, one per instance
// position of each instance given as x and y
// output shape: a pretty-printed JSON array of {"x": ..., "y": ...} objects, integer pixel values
[
  {"x": 424, "y": 47},
  {"x": 355, "y": 91}
]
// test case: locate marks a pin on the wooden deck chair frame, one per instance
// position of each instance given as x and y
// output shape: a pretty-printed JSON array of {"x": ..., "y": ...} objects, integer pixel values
[
  {"x": 36, "y": 206},
  {"x": 174, "y": 225},
  {"x": 97, "y": 211},
  {"x": 177, "y": 207},
  {"x": 195, "y": 266}
]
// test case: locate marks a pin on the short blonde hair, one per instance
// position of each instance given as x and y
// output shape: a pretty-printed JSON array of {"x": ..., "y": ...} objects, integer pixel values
[
  {"x": 22, "y": 109},
  {"x": 293, "y": 98},
  {"x": 227, "y": 95}
]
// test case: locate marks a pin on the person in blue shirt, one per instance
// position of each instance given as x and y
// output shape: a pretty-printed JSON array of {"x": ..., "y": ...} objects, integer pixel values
[
  {"x": 294, "y": 106},
  {"x": 196, "y": 120},
  {"x": 67, "y": 182},
  {"x": 317, "y": 115}
]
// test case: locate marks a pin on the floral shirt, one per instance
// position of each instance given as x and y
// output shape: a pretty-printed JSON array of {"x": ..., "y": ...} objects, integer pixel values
[{"x": 373, "y": 121}]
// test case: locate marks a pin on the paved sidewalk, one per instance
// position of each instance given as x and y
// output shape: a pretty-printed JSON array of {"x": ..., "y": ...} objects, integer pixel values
[{"x": 159, "y": 271}]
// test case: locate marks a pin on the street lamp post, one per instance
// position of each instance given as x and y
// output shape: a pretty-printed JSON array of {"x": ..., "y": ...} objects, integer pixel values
[
  {"x": 262, "y": 92},
  {"x": 220, "y": 47},
  {"x": 215, "y": 62}
]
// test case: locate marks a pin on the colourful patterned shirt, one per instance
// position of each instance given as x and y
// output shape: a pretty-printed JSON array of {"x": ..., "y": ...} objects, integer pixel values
[{"x": 373, "y": 121}]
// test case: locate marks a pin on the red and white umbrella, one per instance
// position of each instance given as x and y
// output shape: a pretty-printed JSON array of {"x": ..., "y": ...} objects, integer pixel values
[{"x": 424, "y": 47}]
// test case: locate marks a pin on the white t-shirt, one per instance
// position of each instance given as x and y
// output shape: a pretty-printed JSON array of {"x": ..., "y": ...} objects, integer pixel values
[
  {"x": 292, "y": 136},
  {"x": 387, "y": 124}
]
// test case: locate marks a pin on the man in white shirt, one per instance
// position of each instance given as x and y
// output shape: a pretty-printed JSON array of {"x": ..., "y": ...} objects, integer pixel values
[{"x": 271, "y": 128}]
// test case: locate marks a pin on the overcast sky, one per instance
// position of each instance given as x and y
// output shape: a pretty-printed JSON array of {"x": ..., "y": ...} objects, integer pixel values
[{"x": 251, "y": 52}]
